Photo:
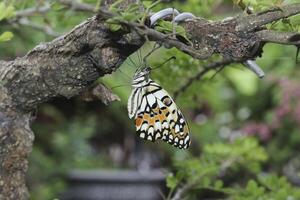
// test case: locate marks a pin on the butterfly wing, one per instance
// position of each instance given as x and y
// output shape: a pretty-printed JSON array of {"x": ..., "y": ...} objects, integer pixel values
[
  {"x": 158, "y": 117},
  {"x": 133, "y": 100}
]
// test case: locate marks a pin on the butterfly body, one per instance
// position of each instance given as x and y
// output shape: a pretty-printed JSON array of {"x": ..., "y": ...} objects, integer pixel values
[{"x": 156, "y": 114}]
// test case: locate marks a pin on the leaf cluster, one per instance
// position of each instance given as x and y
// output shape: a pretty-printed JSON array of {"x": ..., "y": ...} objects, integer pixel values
[{"x": 6, "y": 12}]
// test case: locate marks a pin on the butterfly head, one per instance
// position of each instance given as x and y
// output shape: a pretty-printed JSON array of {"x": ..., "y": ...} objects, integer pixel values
[{"x": 141, "y": 77}]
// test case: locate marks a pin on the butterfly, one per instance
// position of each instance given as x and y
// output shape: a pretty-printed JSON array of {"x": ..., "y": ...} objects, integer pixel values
[{"x": 156, "y": 114}]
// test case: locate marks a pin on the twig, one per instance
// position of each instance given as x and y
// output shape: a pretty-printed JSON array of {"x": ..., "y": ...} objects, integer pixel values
[
  {"x": 21, "y": 16},
  {"x": 183, "y": 190},
  {"x": 75, "y": 5},
  {"x": 199, "y": 75},
  {"x": 224, "y": 166},
  {"x": 245, "y": 8},
  {"x": 252, "y": 22},
  {"x": 288, "y": 38},
  {"x": 33, "y": 11},
  {"x": 43, "y": 28}
]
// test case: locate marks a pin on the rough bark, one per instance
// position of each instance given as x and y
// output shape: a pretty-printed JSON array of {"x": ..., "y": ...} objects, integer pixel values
[{"x": 64, "y": 67}]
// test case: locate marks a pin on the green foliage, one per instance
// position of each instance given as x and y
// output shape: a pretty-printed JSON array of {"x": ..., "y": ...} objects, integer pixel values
[
  {"x": 217, "y": 161},
  {"x": 171, "y": 28},
  {"x": 265, "y": 4},
  {"x": 130, "y": 14},
  {"x": 6, "y": 36},
  {"x": 68, "y": 140},
  {"x": 243, "y": 152},
  {"x": 220, "y": 160},
  {"x": 6, "y": 12},
  {"x": 265, "y": 188},
  {"x": 290, "y": 24}
]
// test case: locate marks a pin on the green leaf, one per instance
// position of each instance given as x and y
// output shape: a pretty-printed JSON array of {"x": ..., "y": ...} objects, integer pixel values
[
  {"x": 57, "y": 6},
  {"x": 252, "y": 186},
  {"x": 115, "y": 27},
  {"x": 113, "y": 8},
  {"x": 128, "y": 16},
  {"x": 172, "y": 181},
  {"x": 218, "y": 184},
  {"x": 168, "y": 27},
  {"x": 6, "y": 11},
  {"x": 6, "y": 36}
]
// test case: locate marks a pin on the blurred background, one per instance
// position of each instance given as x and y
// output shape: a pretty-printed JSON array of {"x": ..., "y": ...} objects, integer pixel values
[{"x": 245, "y": 130}]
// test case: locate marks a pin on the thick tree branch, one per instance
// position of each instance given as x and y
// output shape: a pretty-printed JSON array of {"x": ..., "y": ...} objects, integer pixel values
[
  {"x": 64, "y": 67},
  {"x": 238, "y": 38}
]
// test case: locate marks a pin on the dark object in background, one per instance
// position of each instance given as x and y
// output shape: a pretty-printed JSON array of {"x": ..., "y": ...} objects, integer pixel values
[{"x": 115, "y": 185}]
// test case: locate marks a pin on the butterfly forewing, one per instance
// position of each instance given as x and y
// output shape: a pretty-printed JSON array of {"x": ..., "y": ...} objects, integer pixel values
[
  {"x": 132, "y": 104},
  {"x": 157, "y": 116}
]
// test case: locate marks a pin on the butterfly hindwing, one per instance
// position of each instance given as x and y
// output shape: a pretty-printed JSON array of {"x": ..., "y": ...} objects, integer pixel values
[
  {"x": 158, "y": 117},
  {"x": 178, "y": 130}
]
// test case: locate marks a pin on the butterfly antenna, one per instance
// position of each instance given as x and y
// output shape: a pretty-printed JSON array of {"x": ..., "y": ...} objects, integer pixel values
[
  {"x": 128, "y": 63},
  {"x": 169, "y": 59},
  {"x": 140, "y": 57},
  {"x": 155, "y": 47},
  {"x": 132, "y": 63},
  {"x": 123, "y": 73}
]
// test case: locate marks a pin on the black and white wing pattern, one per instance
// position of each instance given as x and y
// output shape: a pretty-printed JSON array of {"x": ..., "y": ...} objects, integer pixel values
[{"x": 157, "y": 116}]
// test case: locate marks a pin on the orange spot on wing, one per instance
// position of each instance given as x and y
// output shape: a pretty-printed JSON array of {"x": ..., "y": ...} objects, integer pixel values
[
  {"x": 161, "y": 117},
  {"x": 138, "y": 122},
  {"x": 152, "y": 121},
  {"x": 146, "y": 117}
]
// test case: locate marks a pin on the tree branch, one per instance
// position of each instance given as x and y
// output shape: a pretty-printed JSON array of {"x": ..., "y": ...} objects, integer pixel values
[
  {"x": 33, "y": 11},
  {"x": 22, "y": 16},
  {"x": 200, "y": 74},
  {"x": 76, "y": 6},
  {"x": 235, "y": 39},
  {"x": 287, "y": 38},
  {"x": 65, "y": 67},
  {"x": 43, "y": 28},
  {"x": 253, "y": 21}
]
